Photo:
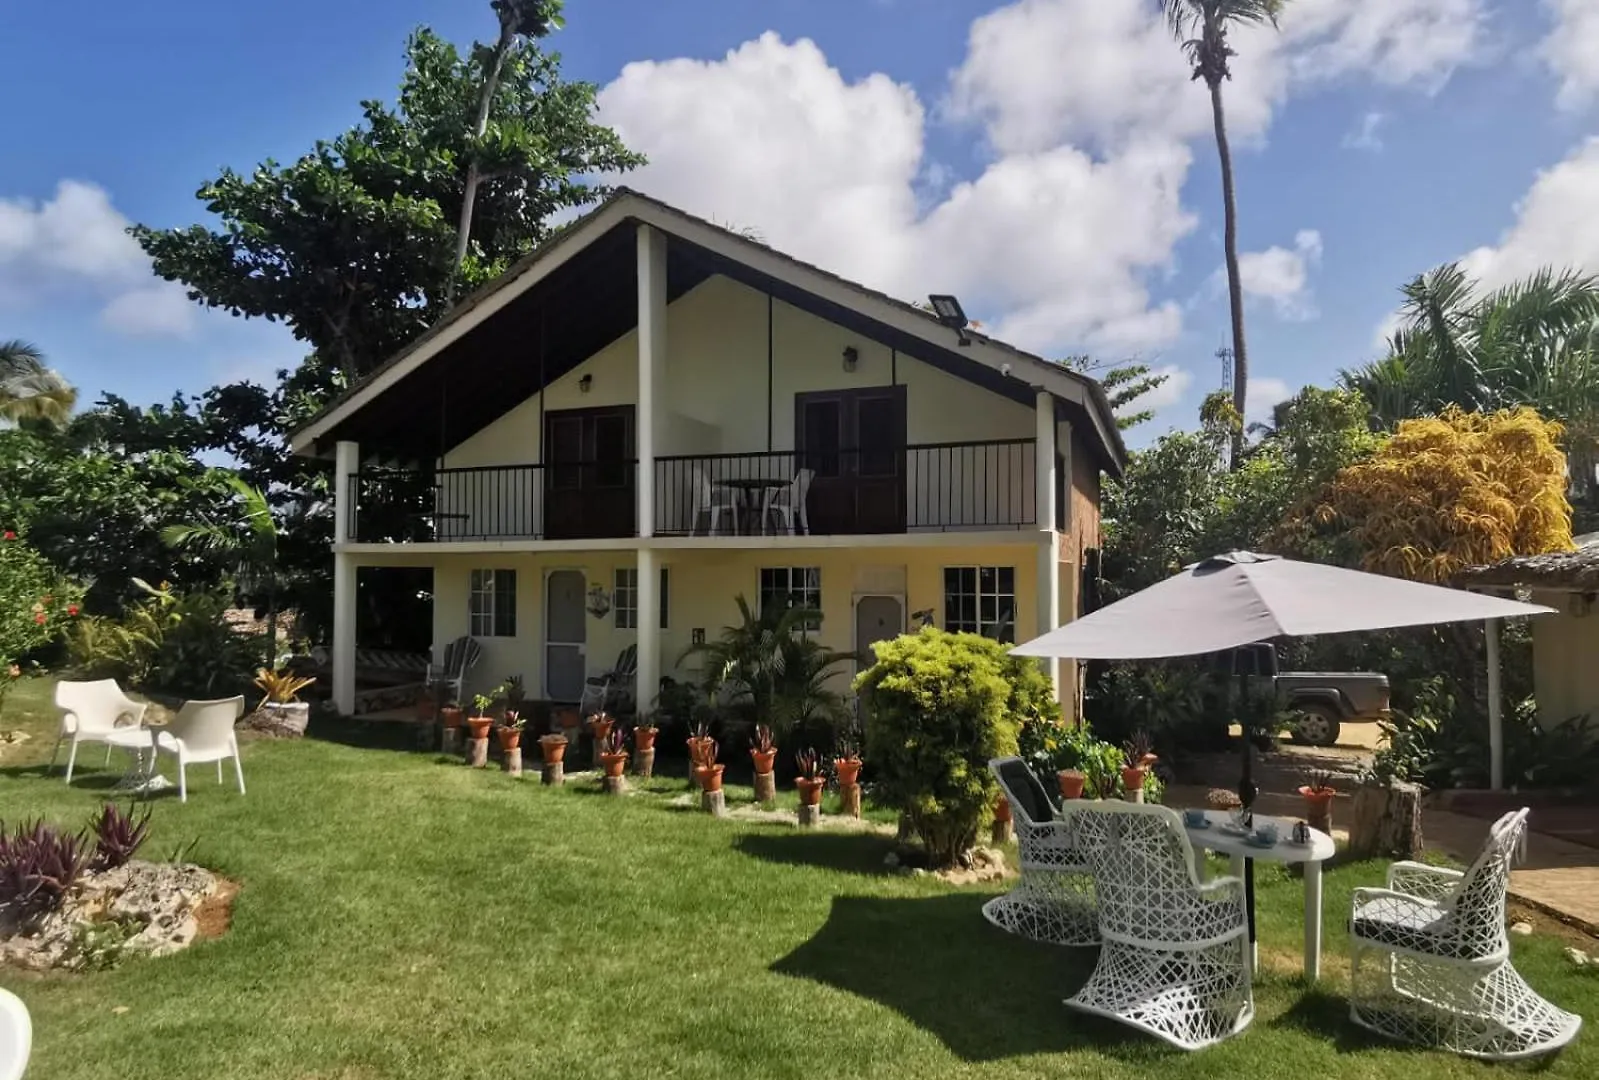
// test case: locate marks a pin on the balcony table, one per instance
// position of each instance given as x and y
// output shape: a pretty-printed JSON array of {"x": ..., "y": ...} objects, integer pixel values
[{"x": 751, "y": 492}]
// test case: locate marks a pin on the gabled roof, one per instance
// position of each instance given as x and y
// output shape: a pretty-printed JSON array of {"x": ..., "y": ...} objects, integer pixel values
[{"x": 594, "y": 244}]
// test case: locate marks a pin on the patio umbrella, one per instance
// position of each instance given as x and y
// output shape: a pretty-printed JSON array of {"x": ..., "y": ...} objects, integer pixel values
[{"x": 1240, "y": 598}]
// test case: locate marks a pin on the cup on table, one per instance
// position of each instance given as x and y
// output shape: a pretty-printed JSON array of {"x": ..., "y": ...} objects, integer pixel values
[
  {"x": 1194, "y": 819},
  {"x": 1266, "y": 832}
]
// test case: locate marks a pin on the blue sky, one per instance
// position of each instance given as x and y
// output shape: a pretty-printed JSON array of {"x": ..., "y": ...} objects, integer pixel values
[{"x": 1045, "y": 159}]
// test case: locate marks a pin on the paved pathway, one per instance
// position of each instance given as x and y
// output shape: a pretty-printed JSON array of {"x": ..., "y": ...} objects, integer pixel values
[{"x": 1558, "y": 876}]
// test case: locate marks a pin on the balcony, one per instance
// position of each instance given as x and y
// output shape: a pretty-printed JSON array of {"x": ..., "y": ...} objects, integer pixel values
[{"x": 936, "y": 487}]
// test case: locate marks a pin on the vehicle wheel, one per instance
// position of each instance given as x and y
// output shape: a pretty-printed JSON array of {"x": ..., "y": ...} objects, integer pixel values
[{"x": 1316, "y": 726}]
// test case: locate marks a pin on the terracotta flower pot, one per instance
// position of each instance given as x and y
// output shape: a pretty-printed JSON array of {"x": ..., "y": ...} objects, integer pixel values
[
  {"x": 479, "y": 726},
  {"x": 1071, "y": 783},
  {"x": 763, "y": 760},
  {"x": 698, "y": 749},
  {"x": 510, "y": 738},
  {"x": 601, "y": 727},
  {"x": 1002, "y": 809},
  {"x": 451, "y": 715},
  {"x": 1318, "y": 807},
  {"x": 709, "y": 777},
  {"x": 614, "y": 764},
  {"x": 644, "y": 737},
  {"x": 810, "y": 791},
  {"x": 553, "y": 747},
  {"x": 1133, "y": 779},
  {"x": 849, "y": 771}
]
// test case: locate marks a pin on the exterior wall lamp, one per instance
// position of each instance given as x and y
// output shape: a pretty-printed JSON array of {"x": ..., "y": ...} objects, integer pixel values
[
  {"x": 585, "y": 384},
  {"x": 852, "y": 358},
  {"x": 948, "y": 311}
]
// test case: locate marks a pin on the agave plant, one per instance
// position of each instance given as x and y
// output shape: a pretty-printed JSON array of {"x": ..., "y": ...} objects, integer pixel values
[
  {"x": 1139, "y": 751},
  {"x": 39, "y": 866},
  {"x": 810, "y": 764},
  {"x": 615, "y": 741},
  {"x": 118, "y": 835},
  {"x": 763, "y": 742},
  {"x": 282, "y": 686}
]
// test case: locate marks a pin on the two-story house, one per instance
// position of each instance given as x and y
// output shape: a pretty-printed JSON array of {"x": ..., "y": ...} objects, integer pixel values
[{"x": 651, "y": 415}]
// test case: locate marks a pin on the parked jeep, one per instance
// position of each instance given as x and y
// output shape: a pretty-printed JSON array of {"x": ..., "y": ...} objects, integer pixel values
[{"x": 1322, "y": 702}]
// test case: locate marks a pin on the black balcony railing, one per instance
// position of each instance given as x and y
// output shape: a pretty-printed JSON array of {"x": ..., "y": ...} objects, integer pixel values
[{"x": 936, "y": 487}]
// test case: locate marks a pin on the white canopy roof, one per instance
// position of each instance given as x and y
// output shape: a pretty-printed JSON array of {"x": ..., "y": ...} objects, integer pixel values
[{"x": 1239, "y": 598}]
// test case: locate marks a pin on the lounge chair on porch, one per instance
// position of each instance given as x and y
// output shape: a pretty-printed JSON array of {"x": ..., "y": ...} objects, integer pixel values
[
  {"x": 1054, "y": 900},
  {"x": 1430, "y": 960},
  {"x": 609, "y": 689},
  {"x": 445, "y": 680}
]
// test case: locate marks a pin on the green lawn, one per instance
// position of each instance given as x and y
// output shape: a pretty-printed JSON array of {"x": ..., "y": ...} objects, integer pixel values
[{"x": 402, "y": 916}]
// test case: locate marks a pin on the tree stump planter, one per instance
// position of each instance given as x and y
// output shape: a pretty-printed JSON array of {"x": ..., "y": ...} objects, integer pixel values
[
  {"x": 848, "y": 770},
  {"x": 713, "y": 800},
  {"x": 600, "y": 727},
  {"x": 1318, "y": 807},
  {"x": 552, "y": 774},
  {"x": 1004, "y": 829},
  {"x": 553, "y": 747},
  {"x": 849, "y": 796},
  {"x": 810, "y": 792},
  {"x": 714, "y": 803},
  {"x": 644, "y": 751},
  {"x": 810, "y": 816},
  {"x": 1133, "y": 783},
  {"x": 1387, "y": 822},
  {"x": 766, "y": 788},
  {"x": 512, "y": 761},
  {"x": 477, "y": 752},
  {"x": 450, "y": 740}
]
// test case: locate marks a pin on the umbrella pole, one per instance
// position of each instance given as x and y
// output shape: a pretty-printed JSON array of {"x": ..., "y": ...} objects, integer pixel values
[{"x": 1247, "y": 792}]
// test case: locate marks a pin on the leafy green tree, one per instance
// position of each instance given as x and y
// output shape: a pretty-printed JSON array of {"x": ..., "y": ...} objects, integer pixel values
[
  {"x": 351, "y": 246},
  {"x": 36, "y": 605},
  {"x": 1125, "y": 384},
  {"x": 29, "y": 390},
  {"x": 1202, "y": 26}
]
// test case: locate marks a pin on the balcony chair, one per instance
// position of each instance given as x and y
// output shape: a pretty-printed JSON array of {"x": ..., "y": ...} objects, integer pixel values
[
  {"x": 16, "y": 1036},
  {"x": 710, "y": 503},
  {"x": 97, "y": 712},
  {"x": 1054, "y": 900},
  {"x": 1175, "y": 954},
  {"x": 202, "y": 731},
  {"x": 789, "y": 504},
  {"x": 1430, "y": 960},
  {"x": 445, "y": 680},
  {"x": 602, "y": 691}
]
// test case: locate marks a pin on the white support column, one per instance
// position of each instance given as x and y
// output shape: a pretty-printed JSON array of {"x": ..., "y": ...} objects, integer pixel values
[
  {"x": 647, "y": 681},
  {"x": 1496, "y": 730},
  {"x": 651, "y": 366},
  {"x": 346, "y": 463},
  {"x": 1049, "y": 546}
]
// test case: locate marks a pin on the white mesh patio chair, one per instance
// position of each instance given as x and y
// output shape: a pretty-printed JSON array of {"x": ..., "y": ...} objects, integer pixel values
[
  {"x": 446, "y": 679},
  {"x": 1430, "y": 959},
  {"x": 1174, "y": 958},
  {"x": 1054, "y": 900},
  {"x": 16, "y": 1036},
  {"x": 788, "y": 505},
  {"x": 202, "y": 731},
  {"x": 99, "y": 712}
]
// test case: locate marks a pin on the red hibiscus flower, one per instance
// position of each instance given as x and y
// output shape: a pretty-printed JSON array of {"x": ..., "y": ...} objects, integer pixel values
[
  {"x": 38, "y": 617},
  {"x": 72, "y": 609},
  {"x": 10, "y": 535}
]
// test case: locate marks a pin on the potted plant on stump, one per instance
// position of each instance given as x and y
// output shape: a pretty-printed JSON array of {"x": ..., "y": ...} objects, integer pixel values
[
  {"x": 847, "y": 764},
  {"x": 1318, "y": 792},
  {"x": 644, "y": 733},
  {"x": 281, "y": 710},
  {"x": 478, "y": 725},
  {"x": 701, "y": 751},
  {"x": 613, "y": 761},
  {"x": 810, "y": 781},
  {"x": 600, "y": 725},
  {"x": 553, "y": 747},
  {"x": 510, "y": 735},
  {"x": 763, "y": 755},
  {"x": 450, "y": 716},
  {"x": 1138, "y": 756},
  {"x": 709, "y": 776}
]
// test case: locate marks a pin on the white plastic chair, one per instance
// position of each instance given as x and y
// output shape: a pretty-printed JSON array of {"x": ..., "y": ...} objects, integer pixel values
[
  {"x": 1430, "y": 959},
  {"x": 203, "y": 731},
  {"x": 789, "y": 504},
  {"x": 1175, "y": 954},
  {"x": 16, "y": 1036},
  {"x": 99, "y": 712},
  {"x": 1054, "y": 900},
  {"x": 711, "y": 502}
]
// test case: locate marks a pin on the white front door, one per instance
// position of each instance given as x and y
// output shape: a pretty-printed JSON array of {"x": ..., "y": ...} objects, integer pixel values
[{"x": 565, "y": 635}]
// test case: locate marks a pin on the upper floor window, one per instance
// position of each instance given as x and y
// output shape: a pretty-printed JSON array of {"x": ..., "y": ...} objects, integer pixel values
[
  {"x": 493, "y": 603},
  {"x": 981, "y": 600}
]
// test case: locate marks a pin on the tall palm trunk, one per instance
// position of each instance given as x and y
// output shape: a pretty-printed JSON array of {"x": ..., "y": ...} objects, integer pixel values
[
  {"x": 474, "y": 175},
  {"x": 1235, "y": 286}
]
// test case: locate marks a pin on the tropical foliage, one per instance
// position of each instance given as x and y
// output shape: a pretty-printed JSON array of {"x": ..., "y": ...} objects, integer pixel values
[
  {"x": 29, "y": 390},
  {"x": 170, "y": 642},
  {"x": 36, "y": 606}
]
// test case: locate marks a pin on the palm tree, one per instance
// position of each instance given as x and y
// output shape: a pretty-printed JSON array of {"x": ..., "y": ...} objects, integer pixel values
[
  {"x": 518, "y": 18},
  {"x": 1202, "y": 27},
  {"x": 29, "y": 390},
  {"x": 250, "y": 541}
]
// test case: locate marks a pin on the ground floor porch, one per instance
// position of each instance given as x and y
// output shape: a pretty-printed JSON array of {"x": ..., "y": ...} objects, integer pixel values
[{"x": 559, "y": 618}]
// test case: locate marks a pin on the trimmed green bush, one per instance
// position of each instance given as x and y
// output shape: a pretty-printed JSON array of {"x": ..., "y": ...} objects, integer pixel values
[{"x": 937, "y": 711}]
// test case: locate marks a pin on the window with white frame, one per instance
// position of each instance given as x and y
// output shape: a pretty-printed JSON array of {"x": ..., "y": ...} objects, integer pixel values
[
  {"x": 981, "y": 600},
  {"x": 493, "y": 612},
  {"x": 786, "y": 587},
  {"x": 624, "y": 598}
]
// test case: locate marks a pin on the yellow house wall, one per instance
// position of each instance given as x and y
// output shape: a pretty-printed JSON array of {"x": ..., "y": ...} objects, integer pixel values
[
  {"x": 1564, "y": 648},
  {"x": 702, "y": 586}
]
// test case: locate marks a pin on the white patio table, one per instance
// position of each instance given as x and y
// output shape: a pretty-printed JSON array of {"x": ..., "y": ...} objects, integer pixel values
[{"x": 1218, "y": 838}]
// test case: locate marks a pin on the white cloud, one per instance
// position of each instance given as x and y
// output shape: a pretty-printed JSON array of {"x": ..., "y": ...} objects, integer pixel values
[
  {"x": 1262, "y": 395},
  {"x": 77, "y": 241},
  {"x": 1572, "y": 50},
  {"x": 1367, "y": 135},
  {"x": 1557, "y": 224},
  {"x": 1168, "y": 393},
  {"x": 1398, "y": 42},
  {"x": 162, "y": 310},
  {"x": 1282, "y": 275}
]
